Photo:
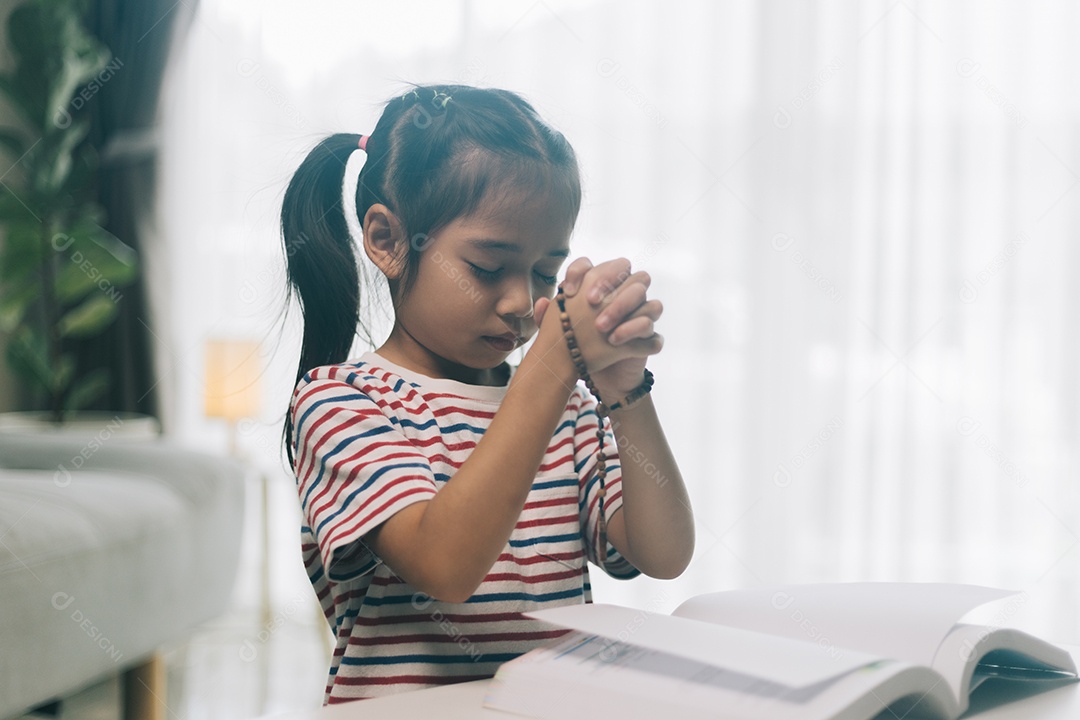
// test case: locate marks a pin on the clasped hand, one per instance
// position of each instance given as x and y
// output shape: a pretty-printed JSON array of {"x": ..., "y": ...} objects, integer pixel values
[{"x": 613, "y": 322}]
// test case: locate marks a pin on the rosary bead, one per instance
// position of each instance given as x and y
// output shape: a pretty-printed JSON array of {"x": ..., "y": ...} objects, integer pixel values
[{"x": 602, "y": 411}]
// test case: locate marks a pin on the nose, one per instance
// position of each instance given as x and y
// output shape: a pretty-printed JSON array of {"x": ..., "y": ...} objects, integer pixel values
[{"x": 517, "y": 299}]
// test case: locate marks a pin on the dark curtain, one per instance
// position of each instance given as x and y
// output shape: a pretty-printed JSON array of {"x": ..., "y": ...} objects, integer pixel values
[{"x": 124, "y": 130}]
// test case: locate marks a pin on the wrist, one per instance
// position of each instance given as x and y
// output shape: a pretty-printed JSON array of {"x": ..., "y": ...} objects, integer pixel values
[
  {"x": 550, "y": 355},
  {"x": 618, "y": 400}
]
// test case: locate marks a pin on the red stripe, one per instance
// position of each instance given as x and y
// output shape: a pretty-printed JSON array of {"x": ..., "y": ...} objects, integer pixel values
[
  {"x": 308, "y": 451},
  {"x": 494, "y": 577},
  {"x": 533, "y": 579},
  {"x": 461, "y": 410},
  {"x": 567, "y": 459},
  {"x": 552, "y": 502},
  {"x": 309, "y": 459},
  {"x": 387, "y": 581},
  {"x": 384, "y": 376},
  {"x": 403, "y": 679},
  {"x": 569, "y": 455},
  {"x": 368, "y": 447},
  {"x": 315, "y": 508},
  {"x": 445, "y": 638},
  {"x": 452, "y": 617},
  {"x": 613, "y": 486},
  {"x": 504, "y": 557},
  {"x": 340, "y": 529},
  {"x": 533, "y": 559},
  {"x": 345, "y": 597},
  {"x": 334, "y": 529},
  {"x": 539, "y": 522}
]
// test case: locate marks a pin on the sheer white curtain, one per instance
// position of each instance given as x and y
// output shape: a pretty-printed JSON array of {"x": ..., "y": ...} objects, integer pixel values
[{"x": 856, "y": 214}]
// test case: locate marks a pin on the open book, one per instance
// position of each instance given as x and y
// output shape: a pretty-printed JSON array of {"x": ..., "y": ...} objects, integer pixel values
[{"x": 849, "y": 650}]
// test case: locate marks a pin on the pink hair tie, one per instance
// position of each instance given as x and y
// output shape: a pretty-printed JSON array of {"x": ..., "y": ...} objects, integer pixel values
[{"x": 363, "y": 142}]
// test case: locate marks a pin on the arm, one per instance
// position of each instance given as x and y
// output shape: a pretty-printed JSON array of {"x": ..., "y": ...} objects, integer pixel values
[
  {"x": 655, "y": 530},
  {"x": 446, "y": 545}
]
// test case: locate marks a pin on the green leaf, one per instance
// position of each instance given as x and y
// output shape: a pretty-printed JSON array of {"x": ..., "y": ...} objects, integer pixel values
[
  {"x": 22, "y": 254},
  {"x": 16, "y": 205},
  {"x": 94, "y": 260},
  {"x": 17, "y": 98},
  {"x": 13, "y": 142},
  {"x": 89, "y": 318},
  {"x": 56, "y": 56},
  {"x": 15, "y": 304},
  {"x": 83, "y": 57},
  {"x": 28, "y": 357},
  {"x": 54, "y": 165},
  {"x": 87, "y": 389}
]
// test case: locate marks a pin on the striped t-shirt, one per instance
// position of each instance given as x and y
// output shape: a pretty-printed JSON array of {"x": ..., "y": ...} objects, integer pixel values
[{"x": 370, "y": 438}]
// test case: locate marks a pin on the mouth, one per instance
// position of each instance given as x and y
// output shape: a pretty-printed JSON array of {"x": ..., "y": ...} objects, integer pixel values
[{"x": 505, "y": 342}]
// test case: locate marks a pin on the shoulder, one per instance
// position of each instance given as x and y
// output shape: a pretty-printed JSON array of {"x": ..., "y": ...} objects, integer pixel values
[{"x": 350, "y": 379}]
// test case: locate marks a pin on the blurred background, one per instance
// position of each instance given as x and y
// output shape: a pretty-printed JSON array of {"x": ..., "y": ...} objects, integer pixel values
[{"x": 856, "y": 214}]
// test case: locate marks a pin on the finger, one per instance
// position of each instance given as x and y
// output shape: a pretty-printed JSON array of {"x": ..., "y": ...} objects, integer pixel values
[
  {"x": 575, "y": 272},
  {"x": 641, "y": 278},
  {"x": 638, "y": 327},
  {"x": 646, "y": 346},
  {"x": 610, "y": 275},
  {"x": 540, "y": 309},
  {"x": 630, "y": 297},
  {"x": 652, "y": 310}
]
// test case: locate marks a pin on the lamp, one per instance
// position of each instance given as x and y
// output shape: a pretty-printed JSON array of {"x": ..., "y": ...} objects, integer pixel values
[
  {"x": 232, "y": 392},
  {"x": 232, "y": 384}
]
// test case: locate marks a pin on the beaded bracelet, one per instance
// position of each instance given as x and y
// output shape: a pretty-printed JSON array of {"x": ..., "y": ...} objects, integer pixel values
[{"x": 602, "y": 411}]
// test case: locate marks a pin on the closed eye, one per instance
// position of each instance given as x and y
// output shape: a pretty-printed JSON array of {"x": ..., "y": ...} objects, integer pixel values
[
  {"x": 482, "y": 273},
  {"x": 490, "y": 275}
]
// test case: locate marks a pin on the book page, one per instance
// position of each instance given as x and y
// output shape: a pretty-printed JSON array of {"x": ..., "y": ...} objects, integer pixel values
[
  {"x": 904, "y": 621},
  {"x": 584, "y": 677},
  {"x": 973, "y": 654},
  {"x": 793, "y": 663}
]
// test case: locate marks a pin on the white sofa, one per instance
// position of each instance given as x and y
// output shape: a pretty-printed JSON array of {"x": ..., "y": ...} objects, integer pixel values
[{"x": 107, "y": 552}]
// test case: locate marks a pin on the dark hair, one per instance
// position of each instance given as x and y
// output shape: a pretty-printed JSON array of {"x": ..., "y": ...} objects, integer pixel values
[{"x": 436, "y": 153}]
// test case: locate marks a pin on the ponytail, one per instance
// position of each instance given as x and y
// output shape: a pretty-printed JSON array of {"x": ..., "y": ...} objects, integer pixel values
[{"x": 321, "y": 259}]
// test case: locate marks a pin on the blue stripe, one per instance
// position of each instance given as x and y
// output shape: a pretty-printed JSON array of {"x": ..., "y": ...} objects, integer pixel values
[
  {"x": 562, "y": 426},
  {"x": 594, "y": 483},
  {"x": 456, "y": 427},
  {"x": 307, "y": 413},
  {"x": 563, "y": 482},
  {"x": 478, "y": 598},
  {"x": 435, "y": 659},
  {"x": 374, "y": 476},
  {"x": 404, "y": 422},
  {"x": 543, "y": 538},
  {"x": 538, "y": 597},
  {"x": 374, "y": 432}
]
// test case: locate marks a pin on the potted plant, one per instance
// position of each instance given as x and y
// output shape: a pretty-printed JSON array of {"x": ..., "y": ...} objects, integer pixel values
[{"x": 61, "y": 272}]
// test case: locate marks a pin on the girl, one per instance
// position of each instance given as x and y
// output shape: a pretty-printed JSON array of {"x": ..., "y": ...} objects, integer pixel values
[{"x": 444, "y": 491}]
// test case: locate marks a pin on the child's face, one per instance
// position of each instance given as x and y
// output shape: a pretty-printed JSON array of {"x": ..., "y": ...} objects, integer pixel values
[{"x": 467, "y": 292}]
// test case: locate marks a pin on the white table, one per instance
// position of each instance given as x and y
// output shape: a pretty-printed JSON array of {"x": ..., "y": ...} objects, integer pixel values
[{"x": 464, "y": 701}]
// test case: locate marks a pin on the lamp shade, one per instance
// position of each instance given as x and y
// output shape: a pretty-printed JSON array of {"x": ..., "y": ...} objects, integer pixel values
[{"x": 233, "y": 378}]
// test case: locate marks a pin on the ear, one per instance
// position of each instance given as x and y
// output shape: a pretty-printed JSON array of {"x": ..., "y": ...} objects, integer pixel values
[{"x": 384, "y": 240}]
